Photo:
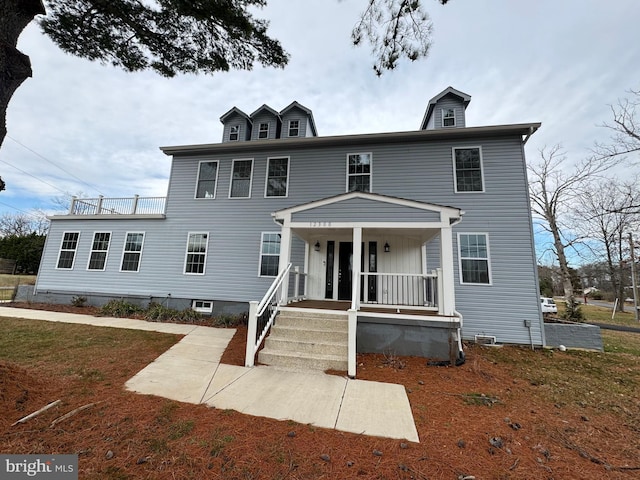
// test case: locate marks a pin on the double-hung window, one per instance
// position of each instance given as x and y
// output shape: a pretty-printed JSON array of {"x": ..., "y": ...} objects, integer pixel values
[
  {"x": 269, "y": 254},
  {"x": 467, "y": 166},
  {"x": 99, "y": 250},
  {"x": 234, "y": 133},
  {"x": 263, "y": 130},
  {"x": 359, "y": 172},
  {"x": 294, "y": 128},
  {"x": 448, "y": 117},
  {"x": 68, "y": 249},
  {"x": 473, "y": 253},
  {"x": 207, "y": 179},
  {"x": 277, "y": 177},
  {"x": 196, "y": 257},
  {"x": 132, "y": 252},
  {"x": 241, "y": 179}
]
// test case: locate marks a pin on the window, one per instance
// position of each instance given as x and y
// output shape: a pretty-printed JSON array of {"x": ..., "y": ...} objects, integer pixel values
[
  {"x": 263, "y": 130},
  {"x": 448, "y": 117},
  {"x": 132, "y": 252},
  {"x": 277, "y": 177},
  {"x": 207, "y": 179},
  {"x": 269, "y": 254},
  {"x": 359, "y": 172},
  {"x": 202, "y": 306},
  {"x": 241, "y": 179},
  {"x": 196, "y": 253},
  {"x": 68, "y": 250},
  {"x": 468, "y": 169},
  {"x": 294, "y": 128},
  {"x": 99, "y": 249},
  {"x": 473, "y": 249},
  {"x": 234, "y": 132}
]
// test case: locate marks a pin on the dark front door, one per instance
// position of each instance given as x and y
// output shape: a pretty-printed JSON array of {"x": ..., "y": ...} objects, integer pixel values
[{"x": 345, "y": 273}]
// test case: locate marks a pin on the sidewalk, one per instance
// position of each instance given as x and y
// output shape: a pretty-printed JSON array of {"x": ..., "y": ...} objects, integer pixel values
[{"x": 191, "y": 372}]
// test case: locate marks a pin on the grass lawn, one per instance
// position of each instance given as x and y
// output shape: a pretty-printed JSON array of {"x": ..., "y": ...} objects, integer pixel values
[
  {"x": 598, "y": 314},
  {"x": 9, "y": 282}
]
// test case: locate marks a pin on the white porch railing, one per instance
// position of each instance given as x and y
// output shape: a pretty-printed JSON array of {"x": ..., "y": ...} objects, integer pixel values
[
  {"x": 401, "y": 289},
  {"x": 117, "y": 206}
]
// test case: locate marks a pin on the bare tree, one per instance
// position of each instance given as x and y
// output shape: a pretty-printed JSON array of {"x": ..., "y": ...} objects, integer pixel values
[
  {"x": 22, "y": 224},
  {"x": 625, "y": 128}
]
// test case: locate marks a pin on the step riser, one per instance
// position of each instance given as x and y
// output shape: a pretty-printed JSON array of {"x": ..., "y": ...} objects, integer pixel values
[
  {"x": 304, "y": 335},
  {"x": 313, "y": 323},
  {"x": 276, "y": 360},
  {"x": 303, "y": 348},
  {"x": 313, "y": 315}
]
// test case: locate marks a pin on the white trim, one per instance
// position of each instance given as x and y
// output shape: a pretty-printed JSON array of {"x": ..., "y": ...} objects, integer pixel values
[
  {"x": 442, "y": 114},
  {"x": 266, "y": 181},
  {"x": 297, "y": 128},
  {"x": 203, "y": 308},
  {"x": 106, "y": 252},
  {"x": 453, "y": 163},
  {"x": 323, "y": 225},
  {"x": 206, "y": 252},
  {"x": 237, "y": 132},
  {"x": 75, "y": 251},
  {"x": 361, "y": 174},
  {"x": 268, "y": 254},
  {"x": 261, "y": 131},
  {"x": 124, "y": 251},
  {"x": 215, "y": 186},
  {"x": 488, "y": 259},
  {"x": 233, "y": 163}
]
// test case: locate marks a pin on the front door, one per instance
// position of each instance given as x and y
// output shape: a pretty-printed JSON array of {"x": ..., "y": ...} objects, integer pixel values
[{"x": 345, "y": 271}]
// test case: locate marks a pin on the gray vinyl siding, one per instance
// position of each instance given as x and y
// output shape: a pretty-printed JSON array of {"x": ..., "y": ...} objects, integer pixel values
[
  {"x": 264, "y": 118},
  {"x": 446, "y": 102},
  {"x": 421, "y": 171},
  {"x": 295, "y": 114},
  {"x": 245, "y": 128}
]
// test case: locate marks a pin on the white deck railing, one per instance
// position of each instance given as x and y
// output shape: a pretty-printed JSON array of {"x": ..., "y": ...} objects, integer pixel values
[
  {"x": 117, "y": 206},
  {"x": 401, "y": 289}
]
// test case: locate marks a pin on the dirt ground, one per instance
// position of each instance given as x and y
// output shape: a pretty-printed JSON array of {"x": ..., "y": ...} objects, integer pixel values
[{"x": 487, "y": 419}]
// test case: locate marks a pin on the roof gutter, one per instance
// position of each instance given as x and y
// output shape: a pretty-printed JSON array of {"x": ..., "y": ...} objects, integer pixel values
[{"x": 532, "y": 130}]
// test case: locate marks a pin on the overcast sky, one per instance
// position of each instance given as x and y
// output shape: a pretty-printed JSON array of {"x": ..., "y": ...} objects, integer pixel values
[{"x": 559, "y": 62}]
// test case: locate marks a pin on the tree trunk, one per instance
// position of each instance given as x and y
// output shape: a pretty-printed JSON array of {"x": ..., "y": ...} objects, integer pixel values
[{"x": 567, "y": 285}]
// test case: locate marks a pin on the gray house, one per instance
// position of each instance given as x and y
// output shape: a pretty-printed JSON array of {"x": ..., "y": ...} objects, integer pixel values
[{"x": 403, "y": 242}]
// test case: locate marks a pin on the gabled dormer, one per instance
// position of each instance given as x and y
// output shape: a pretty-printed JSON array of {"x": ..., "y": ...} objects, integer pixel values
[
  {"x": 446, "y": 110},
  {"x": 237, "y": 126},
  {"x": 297, "y": 121},
  {"x": 266, "y": 123}
]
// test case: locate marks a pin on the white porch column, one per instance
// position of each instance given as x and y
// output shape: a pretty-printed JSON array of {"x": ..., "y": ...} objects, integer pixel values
[
  {"x": 446, "y": 263},
  {"x": 285, "y": 258},
  {"x": 356, "y": 266}
]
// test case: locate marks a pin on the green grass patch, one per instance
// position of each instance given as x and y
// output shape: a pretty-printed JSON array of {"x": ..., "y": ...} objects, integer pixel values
[
  {"x": 13, "y": 280},
  {"x": 621, "y": 342},
  {"x": 593, "y": 313},
  {"x": 180, "y": 429}
]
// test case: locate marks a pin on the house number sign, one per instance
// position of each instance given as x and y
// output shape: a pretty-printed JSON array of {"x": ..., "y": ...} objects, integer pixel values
[{"x": 319, "y": 224}]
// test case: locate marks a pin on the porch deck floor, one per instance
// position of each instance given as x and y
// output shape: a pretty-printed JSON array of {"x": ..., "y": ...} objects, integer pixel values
[{"x": 344, "y": 305}]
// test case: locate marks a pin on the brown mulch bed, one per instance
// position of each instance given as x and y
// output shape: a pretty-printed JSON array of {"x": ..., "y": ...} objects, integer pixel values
[{"x": 477, "y": 420}]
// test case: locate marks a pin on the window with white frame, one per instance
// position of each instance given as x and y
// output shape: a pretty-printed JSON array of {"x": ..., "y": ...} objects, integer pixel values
[
  {"x": 207, "y": 179},
  {"x": 132, "y": 252},
  {"x": 196, "y": 253},
  {"x": 263, "y": 130},
  {"x": 241, "y": 179},
  {"x": 269, "y": 254},
  {"x": 277, "y": 177},
  {"x": 202, "y": 306},
  {"x": 473, "y": 252},
  {"x": 99, "y": 250},
  {"x": 467, "y": 165},
  {"x": 359, "y": 172},
  {"x": 448, "y": 117},
  {"x": 234, "y": 132},
  {"x": 294, "y": 128},
  {"x": 68, "y": 249}
]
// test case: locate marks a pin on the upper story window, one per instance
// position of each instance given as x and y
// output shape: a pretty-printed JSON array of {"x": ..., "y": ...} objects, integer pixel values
[
  {"x": 99, "y": 250},
  {"x": 277, "y": 177},
  {"x": 467, "y": 165},
  {"x": 68, "y": 249},
  {"x": 359, "y": 172},
  {"x": 294, "y": 128},
  {"x": 241, "y": 179},
  {"x": 234, "y": 132},
  {"x": 448, "y": 117},
  {"x": 473, "y": 254},
  {"x": 196, "y": 257},
  {"x": 269, "y": 254},
  {"x": 263, "y": 130},
  {"x": 132, "y": 252},
  {"x": 207, "y": 180}
]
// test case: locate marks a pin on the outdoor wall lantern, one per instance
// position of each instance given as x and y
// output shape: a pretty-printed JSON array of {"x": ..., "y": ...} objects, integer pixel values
[
  {"x": 387, "y": 248},
  {"x": 316, "y": 247}
]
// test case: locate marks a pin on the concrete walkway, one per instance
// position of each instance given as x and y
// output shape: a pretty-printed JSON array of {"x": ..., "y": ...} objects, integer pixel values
[{"x": 191, "y": 372}]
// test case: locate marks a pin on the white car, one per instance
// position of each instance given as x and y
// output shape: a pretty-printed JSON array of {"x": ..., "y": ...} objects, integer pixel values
[{"x": 548, "y": 305}]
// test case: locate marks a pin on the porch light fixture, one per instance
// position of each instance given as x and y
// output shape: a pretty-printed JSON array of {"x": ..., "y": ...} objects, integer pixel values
[
  {"x": 387, "y": 248},
  {"x": 316, "y": 247}
]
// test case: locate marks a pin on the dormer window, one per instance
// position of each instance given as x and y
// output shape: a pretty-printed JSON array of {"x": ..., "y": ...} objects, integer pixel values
[
  {"x": 263, "y": 130},
  {"x": 294, "y": 128},
  {"x": 234, "y": 133},
  {"x": 448, "y": 117}
]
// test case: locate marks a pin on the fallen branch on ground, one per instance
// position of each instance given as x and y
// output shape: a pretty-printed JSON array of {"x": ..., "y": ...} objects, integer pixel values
[
  {"x": 36, "y": 413},
  {"x": 72, "y": 413}
]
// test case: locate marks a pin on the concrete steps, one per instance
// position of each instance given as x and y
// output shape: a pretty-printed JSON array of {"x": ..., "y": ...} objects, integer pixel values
[{"x": 304, "y": 339}]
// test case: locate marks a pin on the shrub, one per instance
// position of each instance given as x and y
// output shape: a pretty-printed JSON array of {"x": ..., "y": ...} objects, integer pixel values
[
  {"x": 119, "y": 308},
  {"x": 159, "y": 313},
  {"x": 79, "y": 301},
  {"x": 229, "y": 320}
]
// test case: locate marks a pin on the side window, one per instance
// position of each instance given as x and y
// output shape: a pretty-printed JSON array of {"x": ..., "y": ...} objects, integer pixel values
[
  {"x": 448, "y": 117},
  {"x": 263, "y": 131},
  {"x": 269, "y": 254},
  {"x": 196, "y": 253},
  {"x": 359, "y": 172},
  {"x": 234, "y": 132},
  {"x": 99, "y": 250},
  {"x": 277, "y": 177},
  {"x": 241, "y": 179},
  {"x": 132, "y": 252},
  {"x": 467, "y": 166},
  {"x": 473, "y": 254},
  {"x": 207, "y": 180},
  {"x": 68, "y": 248},
  {"x": 294, "y": 128}
]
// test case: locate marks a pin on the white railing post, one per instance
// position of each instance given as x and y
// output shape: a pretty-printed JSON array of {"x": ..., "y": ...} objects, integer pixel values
[
  {"x": 351, "y": 342},
  {"x": 99, "y": 206},
  {"x": 296, "y": 285},
  {"x": 252, "y": 327},
  {"x": 440, "y": 289},
  {"x": 134, "y": 207},
  {"x": 73, "y": 205}
]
